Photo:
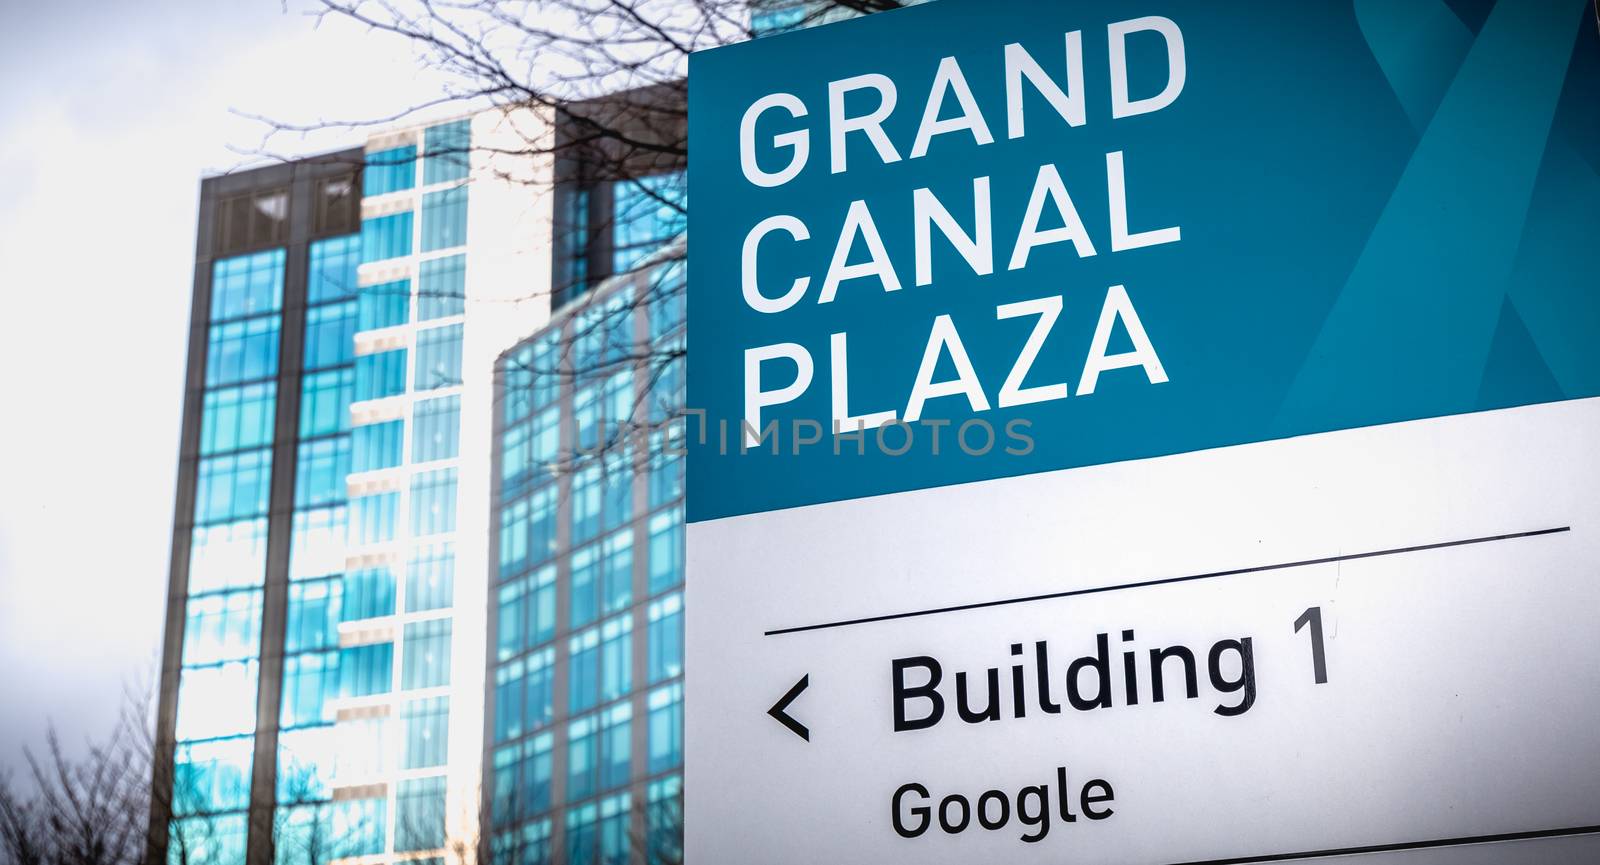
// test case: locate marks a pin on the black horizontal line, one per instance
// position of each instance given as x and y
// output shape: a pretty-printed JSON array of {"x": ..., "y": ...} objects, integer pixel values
[
  {"x": 1404, "y": 845},
  {"x": 978, "y": 605}
]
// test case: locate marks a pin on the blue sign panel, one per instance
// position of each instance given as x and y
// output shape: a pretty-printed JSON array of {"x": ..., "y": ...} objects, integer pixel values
[{"x": 1008, "y": 237}]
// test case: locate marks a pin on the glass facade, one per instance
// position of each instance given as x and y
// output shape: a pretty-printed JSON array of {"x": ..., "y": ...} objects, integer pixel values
[
  {"x": 397, "y": 597},
  {"x": 343, "y": 564},
  {"x": 214, "y": 728},
  {"x": 327, "y": 475},
  {"x": 225, "y": 633},
  {"x": 586, "y": 667},
  {"x": 646, "y": 214},
  {"x": 307, "y": 740}
]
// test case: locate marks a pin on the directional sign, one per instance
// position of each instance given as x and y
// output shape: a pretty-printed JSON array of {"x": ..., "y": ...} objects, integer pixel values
[{"x": 1147, "y": 433}]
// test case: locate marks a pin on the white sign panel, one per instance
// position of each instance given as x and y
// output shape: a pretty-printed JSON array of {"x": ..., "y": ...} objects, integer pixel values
[{"x": 1373, "y": 638}]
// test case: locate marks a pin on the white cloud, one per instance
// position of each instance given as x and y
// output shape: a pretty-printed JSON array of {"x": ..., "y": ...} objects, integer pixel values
[{"x": 107, "y": 127}]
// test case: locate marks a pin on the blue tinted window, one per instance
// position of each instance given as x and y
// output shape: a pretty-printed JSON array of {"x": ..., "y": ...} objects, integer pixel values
[
  {"x": 359, "y": 827},
  {"x": 242, "y": 351},
  {"x": 436, "y": 429},
  {"x": 529, "y": 843},
  {"x": 616, "y": 841},
  {"x": 666, "y": 550},
  {"x": 233, "y": 486},
  {"x": 602, "y": 494},
  {"x": 426, "y": 724},
  {"x": 386, "y": 237},
  {"x": 615, "y": 483},
  {"x": 598, "y": 751},
  {"x": 541, "y": 613},
  {"x": 586, "y": 503},
  {"x": 616, "y": 735},
  {"x": 420, "y": 814},
  {"x": 601, "y": 666},
  {"x": 579, "y": 238},
  {"x": 773, "y": 18},
  {"x": 313, "y": 615},
  {"x": 604, "y": 410},
  {"x": 583, "y": 831},
  {"x": 305, "y": 773},
  {"x": 222, "y": 837},
  {"x": 583, "y": 757},
  {"x": 427, "y": 655},
  {"x": 390, "y": 170},
  {"x": 508, "y": 684},
  {"x": 511, "y": 619},
  {"x": 438, "y": 357},
  {"x": 433, "y": 502},
  {"x": 602, "y": 578},
  {"x": 583, "y": 670},
  {"x": 310, "y": 684},
  {"x": 330, "y": 334},
  {"x": 381, "y": 374},
  {"x": 528, "y": 531},
  {"x": 532, "y": 377},
  {"x": 666, "y": 638},
  {"x": 430, "y": 577},
  {"x": 320, "y": 472},
  {"x": 441, "y": 286},
  {"x": 616, "y": 657},
  {"x": 247, "y": 285},
  {"x": 513, "y": 539},
  {"x": 237, "y": 417},
  {"x": 377, "y": 446},
  {"x": 331, "y": 272},
  {"x": 325, "y": 401},
  {"x": 538, "y": 772},
  {"x": 664, "y": 820},
  {"x": 539, "y": 705},
  {"x": 505, "y": 807},
  {"x": 384, "y": 305},
  {"x": 529, "y": 451},
  {"x": 368, "y": 594},
  {"x": 372, "y": 518},
  {"x": 306, "y": 758},
  {"x": 666, "y": 465},
  {"x": 667, "y": 390},
  {"x": 447, "y": 149},
  {"x": 666, "y": 300},
  {"x": 585, "y": 595},
  {"x": 666, "y": 727},
  {"x": 212, "y": 776},
  {"x": 222, "y": 627},
  {"x": 366, "y": 670},
  {"x": 602, "y": 334},
  {"x": 648, "y": 211},
  {"x": 444, "y": 219},
  {"x": 527, "y": 612}
]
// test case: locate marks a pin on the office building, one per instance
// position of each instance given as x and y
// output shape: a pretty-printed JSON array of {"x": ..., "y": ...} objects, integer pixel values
[
  {"x": 259, "y": 233},
  {"x": 369, "y": 429},
  {"x": 585, "y": 741},
  {"x": 322, "y": 673}
]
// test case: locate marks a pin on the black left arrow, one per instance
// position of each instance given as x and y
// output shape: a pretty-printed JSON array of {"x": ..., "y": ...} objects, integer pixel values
[{"x": 783, "y": 718}]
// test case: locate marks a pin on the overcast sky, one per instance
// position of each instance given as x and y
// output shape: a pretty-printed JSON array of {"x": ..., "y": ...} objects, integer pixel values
[{"x": 110, "y": 113}]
